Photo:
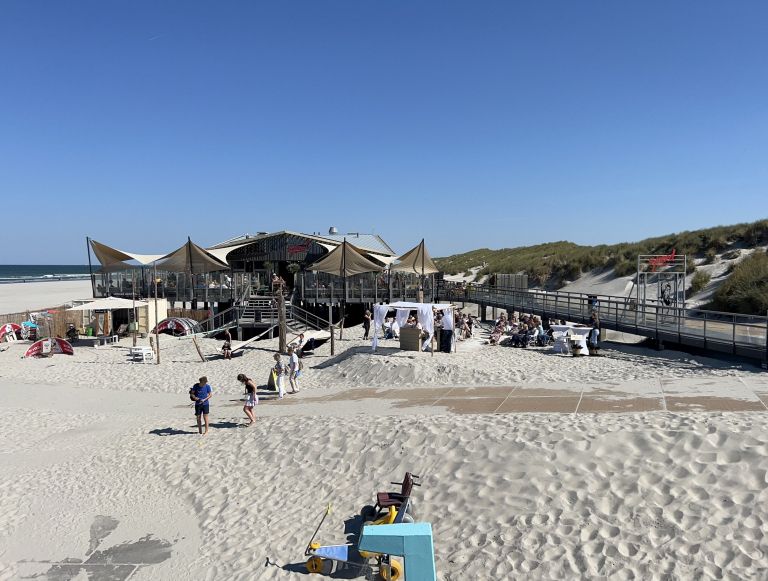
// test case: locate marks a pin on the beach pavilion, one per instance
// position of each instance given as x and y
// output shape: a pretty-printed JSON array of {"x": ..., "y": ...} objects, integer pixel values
[{"x": 238, "y": 273}]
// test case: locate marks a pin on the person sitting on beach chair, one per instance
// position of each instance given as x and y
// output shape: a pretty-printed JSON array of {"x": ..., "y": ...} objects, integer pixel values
[
  {"x": 520, "y": 339},
  {"x": 308, "y": 347}
]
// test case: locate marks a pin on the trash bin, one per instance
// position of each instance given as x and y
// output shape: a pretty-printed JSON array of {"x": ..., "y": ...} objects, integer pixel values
[{"x": 89, "y": 331}]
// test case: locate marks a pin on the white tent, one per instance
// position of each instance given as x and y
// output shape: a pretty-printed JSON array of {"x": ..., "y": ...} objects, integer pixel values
[{"x": 426, "y": 319}]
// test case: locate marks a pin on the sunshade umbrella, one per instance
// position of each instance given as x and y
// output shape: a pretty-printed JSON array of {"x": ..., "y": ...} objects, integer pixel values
[
  {"x": 108, "y": 304},
  {"x": 343, "y": 261}
]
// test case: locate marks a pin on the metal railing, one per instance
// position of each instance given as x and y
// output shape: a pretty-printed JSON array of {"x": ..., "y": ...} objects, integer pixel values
[
  {"x": 713, "y": 330},
  {"x": 365, "y": 294},
  {"x": 296, "y": 313}
]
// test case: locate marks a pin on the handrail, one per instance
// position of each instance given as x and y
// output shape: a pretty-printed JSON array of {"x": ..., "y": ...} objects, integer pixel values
[
  {"x": 306, "y": 317},
  {"x": 220, "y": 316},
  {"x": 745, "y": 334}
]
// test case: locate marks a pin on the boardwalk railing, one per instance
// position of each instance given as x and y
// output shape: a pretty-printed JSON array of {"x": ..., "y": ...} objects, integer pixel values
[{"x": 745, "y": 335}]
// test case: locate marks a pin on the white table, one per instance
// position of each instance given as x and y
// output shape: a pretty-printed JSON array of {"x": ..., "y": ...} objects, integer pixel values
[
  {"x": 578, "y": 335},
  {"x": 142, "y": 352}
]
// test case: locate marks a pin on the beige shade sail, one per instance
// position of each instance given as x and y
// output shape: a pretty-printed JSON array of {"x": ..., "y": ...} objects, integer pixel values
[
  {"x": 417, "y": 260},
  {"x": 192, "y": 259},
  {"x": 345, "y": 260},
  {"x": 111, "y": 259}
]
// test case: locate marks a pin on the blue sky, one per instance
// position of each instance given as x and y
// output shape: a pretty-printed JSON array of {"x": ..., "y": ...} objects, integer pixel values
[{"x": 472, "y": 124}]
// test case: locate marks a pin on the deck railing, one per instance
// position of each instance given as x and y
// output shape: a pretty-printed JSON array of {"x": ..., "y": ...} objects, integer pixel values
[{"x": 718, "y": 331}]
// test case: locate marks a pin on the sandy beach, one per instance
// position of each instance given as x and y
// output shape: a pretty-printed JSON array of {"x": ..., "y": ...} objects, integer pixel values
[
  {"x": 32, "y": 296},
  {"x": 105, "y": 472}
]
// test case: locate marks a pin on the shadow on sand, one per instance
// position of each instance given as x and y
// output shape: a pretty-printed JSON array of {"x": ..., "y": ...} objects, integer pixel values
[
  {"x": 355, "y": 568},
  {"x": 170, "y": 432}
]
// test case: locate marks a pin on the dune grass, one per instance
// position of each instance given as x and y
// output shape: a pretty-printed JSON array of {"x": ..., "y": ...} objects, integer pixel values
[{"x": 553, "y": 264}]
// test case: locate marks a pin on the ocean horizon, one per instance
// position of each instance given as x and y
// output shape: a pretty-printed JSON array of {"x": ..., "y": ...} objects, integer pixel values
[{"x": 41, "y": 272}]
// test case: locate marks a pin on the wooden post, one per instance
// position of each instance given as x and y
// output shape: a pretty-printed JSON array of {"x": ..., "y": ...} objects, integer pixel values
[
  {"x": 765, "y": 361},
  {"x": 283, "y": 346},
  {"x": 333, "y": 342},
  {"x": 90, "y": 268},
  {"x": 157, "y": 333},
  {"x": 135, "y": 318}
]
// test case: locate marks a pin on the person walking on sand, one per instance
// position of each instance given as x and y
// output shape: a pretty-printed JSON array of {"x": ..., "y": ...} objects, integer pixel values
[
  {"x": 201, "y": 392},
  {"x": 366, "y": 323},
  {"x": 279, "y": 374},
  {"x": 226, "y": 349},
  {"x": 251, "y": 397},
  {"x": 293, "y": 370}
]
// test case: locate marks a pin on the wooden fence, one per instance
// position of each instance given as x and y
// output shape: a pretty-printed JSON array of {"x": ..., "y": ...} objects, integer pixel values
[
  {"x": 195, "y": 314},
  {"x": 55, "y": 323}
]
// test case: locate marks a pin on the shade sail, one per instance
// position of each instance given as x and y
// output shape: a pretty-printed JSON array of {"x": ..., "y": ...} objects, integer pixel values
[
  {"x": 383, "y": 258},
  {"x": 221, "y": 253},
  {"x": 417, "y": 260},
  {"x": 112, "y": 258},
  {"x": 192, "y": 259},
  {"x": 108, "y": 304},
  {"x": 345, "y": 260}
]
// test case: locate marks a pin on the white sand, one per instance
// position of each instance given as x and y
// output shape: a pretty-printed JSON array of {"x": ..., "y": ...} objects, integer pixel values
[
  {"x": 31, "y": 296},
  {"x": 100, "y": 453}
]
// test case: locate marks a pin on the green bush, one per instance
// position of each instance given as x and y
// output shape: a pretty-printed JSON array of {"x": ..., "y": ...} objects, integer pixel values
[
  {"x": 709, "y": 256},
  {"x": 699, "y": 281},
  {"x": 746, "y": 290}
]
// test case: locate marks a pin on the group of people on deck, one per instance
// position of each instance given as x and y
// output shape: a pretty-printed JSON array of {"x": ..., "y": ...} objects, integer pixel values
[{"x": 526, "y": 330}]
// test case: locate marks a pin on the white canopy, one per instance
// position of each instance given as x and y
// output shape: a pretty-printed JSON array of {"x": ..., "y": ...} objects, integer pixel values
[
  {"x": 414, "y": 306},
  {"x": 402, "y": 307},
  {"x": 108, "y": 304}
]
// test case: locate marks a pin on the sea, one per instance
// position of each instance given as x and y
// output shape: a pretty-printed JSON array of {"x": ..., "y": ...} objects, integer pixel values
[{"x": 42, "y": 272}]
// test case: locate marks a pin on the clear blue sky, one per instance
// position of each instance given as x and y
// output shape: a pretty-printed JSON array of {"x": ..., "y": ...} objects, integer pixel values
[{"x": 473, "y": 124}]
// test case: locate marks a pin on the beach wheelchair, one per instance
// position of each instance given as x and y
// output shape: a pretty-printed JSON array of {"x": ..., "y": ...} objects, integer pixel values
[{"x": 390, "y": 508}]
